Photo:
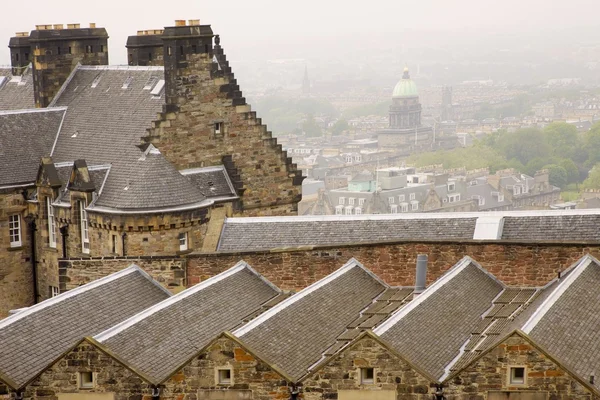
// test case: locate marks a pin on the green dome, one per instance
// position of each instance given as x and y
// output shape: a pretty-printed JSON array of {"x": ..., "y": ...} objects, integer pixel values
[{"x": 406, "y": 87}]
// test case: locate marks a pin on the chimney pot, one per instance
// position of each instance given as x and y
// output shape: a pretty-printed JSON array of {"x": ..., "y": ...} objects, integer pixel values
[
  {"x": 22, "y": 34},
  {"x": 73, "y": 26},
  {"x": 194, "y": 22},
  {"x": 421, "y": 274},
  {"x": 92, "y": 25},
  {"x": 58, "y": 26},
  {"x": 180, "y": 22},
  {"x": 140, "y": 33}
]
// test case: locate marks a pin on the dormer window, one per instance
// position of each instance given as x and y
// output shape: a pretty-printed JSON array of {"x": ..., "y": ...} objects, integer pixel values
[{"x": 451, "y": 187}]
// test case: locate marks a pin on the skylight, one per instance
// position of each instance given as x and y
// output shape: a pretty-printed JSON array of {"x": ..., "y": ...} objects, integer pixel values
[
  {"x": 96, "y": 82},
  {"x": 158, "y": 88},
  {"x": 127, "y": 82},
  {"x": 151, "y": 82}
]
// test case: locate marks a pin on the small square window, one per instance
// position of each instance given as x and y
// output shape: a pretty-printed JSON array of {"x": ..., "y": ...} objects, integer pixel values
[
  {"x": 224, "y": 376},
  {"x": 517, "y": 375},
  {"x": 54, "y": 291},
  {"x": 86, "y": 380},
  {"x": 219, "y": 131},
  {"x": 367, "y": 376}
]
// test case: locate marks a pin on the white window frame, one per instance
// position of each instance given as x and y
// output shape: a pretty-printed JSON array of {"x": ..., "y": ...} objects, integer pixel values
[
  {"x": 342, "y": 201},
  {"x": 516, "y": 190},
  {"x": 513, "y": 380},
  {"x": 404, "y": 207},
  {"x": 85, "y": 228},
  {"x": 357, "y": 211},
  {"x": 500, "y": 197},
  {"x": 339, "y": 210},
  {"x": 361, "y": 202},
  {"x": 348, "y": 210},
  {"x": 414, "y": 205},
  {"x": 364, "y": 379},
  {"x": 223, "y": 380},
  {"x": 394, "y": 208},
  {"x": 401, "y": 198},
  {"x": 351, "y": 201},
  {"x": 412, "y": 196},
  {"x": 51, "y": 224},
  {"x": 54, "y": 291},
  {"x": 391, "y": 200},
  {"x": 83, "y": 382},
  {"x": 183, "y": 241},
  {"x": 14, "y": 230},
  {"x": 451, "y": 187}
]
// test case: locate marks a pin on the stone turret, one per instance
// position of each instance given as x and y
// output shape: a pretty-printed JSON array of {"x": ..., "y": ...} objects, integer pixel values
[
  {"x": 20, "y": 52},
  {"x": 146, "y": 48}
]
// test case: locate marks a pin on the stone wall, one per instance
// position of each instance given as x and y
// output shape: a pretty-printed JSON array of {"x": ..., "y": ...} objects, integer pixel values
[
  {"x": 168, "y": 271},
  {"x": 207, "y": 122},
  {"x": 391, "y": 373},
  {"x": 523, "y": 264},
  {"x": 491, "y": 374}
]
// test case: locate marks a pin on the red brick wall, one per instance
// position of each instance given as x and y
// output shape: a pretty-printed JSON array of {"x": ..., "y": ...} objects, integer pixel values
[{"x": 524, "y": 264}]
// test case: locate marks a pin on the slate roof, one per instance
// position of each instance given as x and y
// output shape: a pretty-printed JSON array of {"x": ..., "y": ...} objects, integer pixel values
[
  {"x": 213, "y": 182},
  {"x": 295, "y": 334},
  {"x": 16, "y": 92},
  {"x": 162, "y": 338},
  {"x": 431, "y": 329},
  {"x": 240, "y": 234},
  {"x": 567, "y": 324},
  {"x": 265, "y": 233},
  {"x": 97, "y": 173},
  {"x": 25, "y": 137},
  {"x": 35, "y": 337}
]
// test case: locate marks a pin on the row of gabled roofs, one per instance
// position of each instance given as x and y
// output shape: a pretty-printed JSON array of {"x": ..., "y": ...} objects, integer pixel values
[{"x": 440, "y": 331}]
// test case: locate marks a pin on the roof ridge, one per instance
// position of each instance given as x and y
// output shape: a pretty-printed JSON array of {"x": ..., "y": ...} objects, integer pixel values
[
  {"x": 352, "y": 263},
  {"x": 64, "y": 85},
  {"x": 33, "y": 110},
  {"x": 121, "y": 68},
  {"x": 131, "y": 321},
  {"x": 447, "y": 277},
  {"x": 72, "y": 293},
  {"x": 549, "y": 302}
]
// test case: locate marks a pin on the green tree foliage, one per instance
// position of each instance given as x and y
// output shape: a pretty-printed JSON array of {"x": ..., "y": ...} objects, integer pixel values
[
  {"x": 310, "y": 127},
  {"x": 535, "y": 165},
  {"x": 524, "y": 145},
  {"x": 571, "y": 169},
  {"x": 339, "y": 127},
  {"x": 593, "y": 179},
  {"x": 557, "y": 175},
  {"x": 592, "y": 145},
  {"x": 469, "y": 157},
  {"x": 563, "y": 139}
]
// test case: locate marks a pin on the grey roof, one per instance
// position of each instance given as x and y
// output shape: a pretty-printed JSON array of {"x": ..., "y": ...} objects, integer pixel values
[
  {"x": 16, "y": 92},
  {"x": 294, "y": 334},
  {"x": 430, "y": 330},
  {"x": 568, "y": 227},
  {"x": 36, "y": 336},
  {"x": 240, "y": 234},
  {"x": 147, "y": 182},
  {"x": 213, "y": 182},
  {"x": 567, "y": 324},
  {"x": 484, "y": 190},
  {"x": 25, "y": 137},
  {"x": 162, "y": 338},
  {"x": 97, "y": 177}
]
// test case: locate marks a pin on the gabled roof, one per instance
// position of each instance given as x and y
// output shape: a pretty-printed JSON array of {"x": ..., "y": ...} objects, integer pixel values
[
  {"x": 26, "y": 136},
  {"x": 213, "y": 182},
  {"x": 160, "y": 339},
  {"x": 294, "y": 334},
  {"x": 430, "y": 329},
  {"x": 16, "y": 91},
  {"x": 567, "y": 323},
  {"x": 36, "y": 336}
]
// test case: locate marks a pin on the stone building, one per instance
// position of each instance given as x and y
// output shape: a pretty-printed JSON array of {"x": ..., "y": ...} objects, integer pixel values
[{"x": 126, "y": 161}]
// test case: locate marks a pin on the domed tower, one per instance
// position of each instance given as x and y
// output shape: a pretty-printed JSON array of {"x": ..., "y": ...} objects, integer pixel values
[
  {"x": 405, "y": 129},
  {"x": 405, "y": 111}
]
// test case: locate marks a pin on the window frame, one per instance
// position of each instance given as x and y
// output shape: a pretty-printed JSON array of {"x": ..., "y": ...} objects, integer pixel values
[
  {"x": 51, "y": 223},
  {"x": 412, "y": 196},
  {"x": 363, "y": 376},
  {"x": 12, "y": 235},
  {"x": 361, "y": 202},
  {"x": 184, "y": 241},
  {"x": 84, "y": 226},
  {"x": 54, "y": 291},
  {"x": 86, "y": 384},
  {"x": 512, "y": 380},
  {"x": 218, "y": 378}
]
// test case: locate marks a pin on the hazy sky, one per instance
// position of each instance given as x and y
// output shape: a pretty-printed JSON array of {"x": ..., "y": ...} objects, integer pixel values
[{"x": 244, "y": 25}]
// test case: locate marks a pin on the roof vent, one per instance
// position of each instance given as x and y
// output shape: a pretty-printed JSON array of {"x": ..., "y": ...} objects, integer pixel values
[
  {"x": 489, "y": 228},
  {"x": 420, "y": 274}
]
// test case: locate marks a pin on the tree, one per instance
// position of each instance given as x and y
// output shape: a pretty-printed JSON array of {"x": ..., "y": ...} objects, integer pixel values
[
  {"x": 571, "y": 168},
  {"x": 592, "y": 145},
  {"x": 310, "y": 127},
  {"x": 535, "y": 165},
  {"x": 563, "y": 138},
  {"x": 339, "y": 127},
  {"x": 524, "y": 145},
  {"x": 593, "y": 179},
  {"x": 557, "y": 175}
]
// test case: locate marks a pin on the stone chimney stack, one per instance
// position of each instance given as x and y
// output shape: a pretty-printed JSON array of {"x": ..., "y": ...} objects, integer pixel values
[
  {"x": 57, "y": 51},
  {"x": 146, "y": 48},
  {"x": 20, "y": 52}
]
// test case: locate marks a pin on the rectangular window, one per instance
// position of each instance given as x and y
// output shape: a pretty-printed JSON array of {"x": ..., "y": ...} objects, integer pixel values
[
  {"x": 451, "y": 187},
  {"x": 70, "y": 50},
  {"x": 348, "y": 210},
  {"x": 401, "y": 198},
  {"x": 219, "y": 131},
  {"x": 367, "y": 376},
  {"x": 114, "y": 244},
  {"x": 14, "y": 230},
  {"x": 51, "y": 224},
  {"x": 88, "y": 49},
  {"x": 339, "y": 210},
  {"x": 394, "y": 208},
  {"x": 390, "y": 200},
  {"x": 101, "y": 48},
  {"x": 361, "y": 202},
  {"x": 183, "y": 241},
  {"x": 169, "y": 51},
  {"x": 404, "y": 207},
  {"x": 517, "y": 375},
  {"x": 342, "y": 201},
  {"x": 54, "y": 291},
  {"x": 85, "y": 234},
  {"x": 412, "y": 196},
  {"x": 86, "y": 380},
  {"x": 415, "y": 205},
  {"x": 224, "y": 376},
  {"x": 358, "y": 211},
  {"x": 351, "y": 201}
]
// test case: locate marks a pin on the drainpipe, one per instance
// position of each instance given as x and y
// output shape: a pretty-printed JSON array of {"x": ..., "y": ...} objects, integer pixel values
[
  {"x": 123, "y": 237},
  {"x": 30, "y": 219},
  {"x": 64, "y": 231}
]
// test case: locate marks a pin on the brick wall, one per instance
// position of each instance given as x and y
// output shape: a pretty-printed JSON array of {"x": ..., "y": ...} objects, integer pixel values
[
  {"x": 526, "y": 264},
  {"x": 168, "y": 271}
]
